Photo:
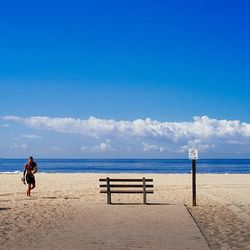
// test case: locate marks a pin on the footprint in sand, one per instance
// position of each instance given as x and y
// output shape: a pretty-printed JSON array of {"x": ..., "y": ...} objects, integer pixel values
[{"x": 49, "y": 197}]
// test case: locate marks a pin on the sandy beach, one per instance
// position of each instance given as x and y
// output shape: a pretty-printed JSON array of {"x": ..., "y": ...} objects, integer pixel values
[{"x": 54, "y": 213}]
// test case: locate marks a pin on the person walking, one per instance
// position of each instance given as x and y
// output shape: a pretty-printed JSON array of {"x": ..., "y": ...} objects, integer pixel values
[{"x": 30, "y": 168}]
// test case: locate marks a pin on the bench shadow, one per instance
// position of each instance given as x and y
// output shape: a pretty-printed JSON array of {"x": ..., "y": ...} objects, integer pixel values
[
  {"x": 60, "y": 197},
  {"x": 4, "y": 208},
  {"x": 150, "y": 204}
]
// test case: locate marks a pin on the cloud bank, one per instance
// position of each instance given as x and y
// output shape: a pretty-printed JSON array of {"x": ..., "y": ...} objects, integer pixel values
[
  {"x": 200, "y": 127},
  {"x": 152, "y": 135}
]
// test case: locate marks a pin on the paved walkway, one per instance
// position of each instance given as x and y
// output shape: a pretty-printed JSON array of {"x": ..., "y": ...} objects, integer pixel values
[{"x": 129, "y": 227}]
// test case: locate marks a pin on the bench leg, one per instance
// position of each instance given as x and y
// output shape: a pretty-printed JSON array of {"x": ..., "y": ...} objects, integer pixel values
[{"x": 108, "y": 198}]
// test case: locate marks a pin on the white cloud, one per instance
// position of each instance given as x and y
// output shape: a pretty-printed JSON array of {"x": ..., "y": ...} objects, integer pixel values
[
  {"x": 5, "y": 125},
  {"x": 55, "y": 148},
  {"x": 85, "y": 148},
  {"x": 202, "y": 132},
  {"x": 200, "y": 127},
  {"x": 20, "y": 146},
  {"x": 101, "y": 147},
  {"x": 31, "y": 136},
  {"x": 197, "y": 143},
  {"x": 150, "y": 147}
]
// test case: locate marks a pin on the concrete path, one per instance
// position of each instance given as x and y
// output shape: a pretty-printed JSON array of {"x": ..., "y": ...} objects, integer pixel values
[{"x": 101, "y": 226}]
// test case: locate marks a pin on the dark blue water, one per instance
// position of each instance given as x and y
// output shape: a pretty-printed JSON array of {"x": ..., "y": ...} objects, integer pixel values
[{"x": 230, "y": 166}]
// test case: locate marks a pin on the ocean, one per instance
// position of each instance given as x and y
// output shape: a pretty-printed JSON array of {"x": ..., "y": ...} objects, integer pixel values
[{"x": 180, "y": 166}]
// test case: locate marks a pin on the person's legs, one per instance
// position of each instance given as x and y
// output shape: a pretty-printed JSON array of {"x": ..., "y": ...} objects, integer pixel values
[
  {"x": 33, "y": 185},
  {"x": 30, "y": 179},
  {"x": 28, "y": 190}
]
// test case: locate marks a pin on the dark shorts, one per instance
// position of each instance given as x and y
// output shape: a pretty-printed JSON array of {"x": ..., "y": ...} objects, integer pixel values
[{"x": 30, "y": 179}]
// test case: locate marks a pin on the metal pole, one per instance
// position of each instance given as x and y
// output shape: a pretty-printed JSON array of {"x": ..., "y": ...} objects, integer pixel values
[
  {"x": 194, "y": 181},
  {"x": 108, "y": 191},
  {"x": 144, "y": 190}
]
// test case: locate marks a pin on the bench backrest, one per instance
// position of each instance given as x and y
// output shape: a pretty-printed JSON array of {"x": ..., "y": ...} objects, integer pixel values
[{"x": 126, "y": 186}]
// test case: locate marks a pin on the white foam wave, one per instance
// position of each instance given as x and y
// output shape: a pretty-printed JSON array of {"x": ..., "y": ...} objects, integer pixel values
[{"x": 14, "y": 172}]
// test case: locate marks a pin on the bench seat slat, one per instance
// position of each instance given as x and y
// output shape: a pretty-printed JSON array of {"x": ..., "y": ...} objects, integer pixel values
[
  {"x": 127, "y": 180},
  {"x": 127, "y": 185},
  {"x": 127, "y": 191}
]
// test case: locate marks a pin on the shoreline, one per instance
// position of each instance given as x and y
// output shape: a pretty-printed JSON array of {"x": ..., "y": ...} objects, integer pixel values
[{"x": 126, "y": 173}]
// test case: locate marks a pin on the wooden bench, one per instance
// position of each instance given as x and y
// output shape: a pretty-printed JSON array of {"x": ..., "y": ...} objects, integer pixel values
[{"x": 123, "y": 186}]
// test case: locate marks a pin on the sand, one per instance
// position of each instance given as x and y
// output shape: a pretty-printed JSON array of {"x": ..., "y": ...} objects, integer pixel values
[{"x": 66, "y": 211}]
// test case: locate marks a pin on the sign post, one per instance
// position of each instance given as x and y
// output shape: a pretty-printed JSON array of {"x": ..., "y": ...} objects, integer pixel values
[{"x": 193, "y": 155}]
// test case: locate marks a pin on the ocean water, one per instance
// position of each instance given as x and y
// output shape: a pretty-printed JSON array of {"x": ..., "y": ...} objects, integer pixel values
[{"x": 221, "y": 166}]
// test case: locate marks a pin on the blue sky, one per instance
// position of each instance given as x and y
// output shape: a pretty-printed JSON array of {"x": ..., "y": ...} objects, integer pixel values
[{"x": 169, "y": 61}]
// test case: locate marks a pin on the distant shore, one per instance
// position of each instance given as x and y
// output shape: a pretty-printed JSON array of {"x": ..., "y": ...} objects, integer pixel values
[{"x": 222, "y": 214}]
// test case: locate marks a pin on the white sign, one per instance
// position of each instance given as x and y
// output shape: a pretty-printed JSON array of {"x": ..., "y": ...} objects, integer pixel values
[{"x": 193, "y": 154}]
